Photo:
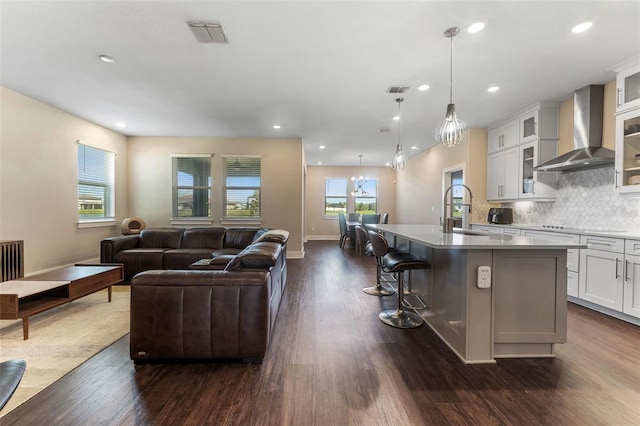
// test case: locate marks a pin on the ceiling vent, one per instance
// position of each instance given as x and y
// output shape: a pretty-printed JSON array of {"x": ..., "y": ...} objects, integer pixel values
[
  {"x": 384, "y": 130},
  {"x": 397, "y": 89},
  {"x": 208, "y": 32}
]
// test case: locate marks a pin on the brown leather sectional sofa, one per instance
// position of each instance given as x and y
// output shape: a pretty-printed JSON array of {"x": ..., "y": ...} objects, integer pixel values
[
  {"x": 170, "y": 248},
  {"x": 203, "y": 311}
]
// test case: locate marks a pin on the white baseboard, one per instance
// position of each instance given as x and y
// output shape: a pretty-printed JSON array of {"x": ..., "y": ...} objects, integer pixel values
[{"x": 295, "y": 254}]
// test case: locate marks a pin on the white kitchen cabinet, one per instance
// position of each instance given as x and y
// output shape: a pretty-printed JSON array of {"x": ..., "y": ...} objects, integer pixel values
[
  {"x": 573, "y": 282},
  {"x": 533, "y": 184},
  {"x": 631, "y": 305},
  {"x": 502, "y": 175},
  {"x": 628, "y": 84},
  {"x": 627, "y": 179},
  {"x": 503, "y": 137},
  {"x": 631, "y": 299},
  {"x": 602, "y": 271},
  {"x": 539, "y": 122}
]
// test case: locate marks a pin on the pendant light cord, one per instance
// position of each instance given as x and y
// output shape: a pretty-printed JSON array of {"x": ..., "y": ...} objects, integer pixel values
[{"x": 451, "y": 71}]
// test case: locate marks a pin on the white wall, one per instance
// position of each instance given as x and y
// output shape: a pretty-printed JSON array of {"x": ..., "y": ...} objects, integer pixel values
[
  {"x": 319, "y": 227},
  {"x": 282, "y": 179},
  {"x": 38, "y": 175}
]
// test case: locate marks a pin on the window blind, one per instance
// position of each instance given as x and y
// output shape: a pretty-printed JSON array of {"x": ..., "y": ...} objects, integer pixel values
[{"x": 96, "y": 183}]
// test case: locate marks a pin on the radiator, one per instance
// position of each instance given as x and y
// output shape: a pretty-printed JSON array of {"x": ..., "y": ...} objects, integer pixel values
[{"x": 11, "y": 260}]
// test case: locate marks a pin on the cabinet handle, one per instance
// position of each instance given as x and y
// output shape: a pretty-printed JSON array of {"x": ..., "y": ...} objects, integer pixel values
[
  {"x": 619, "y": 98},
  {"x": 626, "y": 270},
  {"x": 616, "y": 183},
  {"x": 617, "y": 274}
]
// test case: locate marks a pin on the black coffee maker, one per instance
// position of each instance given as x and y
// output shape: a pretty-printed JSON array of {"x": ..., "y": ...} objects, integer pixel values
[{"x": 500, "y": 215}]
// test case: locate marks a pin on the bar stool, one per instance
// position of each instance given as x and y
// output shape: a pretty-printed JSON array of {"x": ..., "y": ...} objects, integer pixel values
[
  {"x": 397, "y": 261},
  {"x": 378, "y": 289}
]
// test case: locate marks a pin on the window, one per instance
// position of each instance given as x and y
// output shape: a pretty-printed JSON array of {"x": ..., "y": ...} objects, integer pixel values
[
  {"x": 335, "y": 196},
  {"x": 242, "y": 186},
  {"x": 191, "y": 185},
  {"x": 365, "y": 204},
  {"x": 96, "y": 183}
]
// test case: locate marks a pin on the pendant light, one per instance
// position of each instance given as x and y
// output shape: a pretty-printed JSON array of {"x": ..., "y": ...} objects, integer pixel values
[
  {"x": 452, "y": 130},
  {"x": 399, "y": 160},
  {"x": 358, "y": 183}
]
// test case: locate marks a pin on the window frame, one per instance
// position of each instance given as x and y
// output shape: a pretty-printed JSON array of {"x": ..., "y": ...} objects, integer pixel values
[
  {"x": 374, "y": 197},
  {"x": 108, "y": 186},
  {"x": 346, "y": 197},
  {"x": 175, "y": 188},
  {"x": 226, "y": 188}
]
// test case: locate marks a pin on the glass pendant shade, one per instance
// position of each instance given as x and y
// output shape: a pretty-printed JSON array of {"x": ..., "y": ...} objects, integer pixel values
[
  {"x": 399, "y": 160},
  {"x": 452, "y": 130},
  {"x": 358, "y": 183}
]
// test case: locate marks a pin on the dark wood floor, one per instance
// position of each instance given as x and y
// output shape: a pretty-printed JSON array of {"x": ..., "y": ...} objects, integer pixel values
[{"x": 332, "y": 362}]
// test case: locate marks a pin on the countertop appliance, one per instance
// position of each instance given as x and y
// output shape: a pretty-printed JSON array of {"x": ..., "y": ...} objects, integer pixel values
[{"x": 500, "y": 215}]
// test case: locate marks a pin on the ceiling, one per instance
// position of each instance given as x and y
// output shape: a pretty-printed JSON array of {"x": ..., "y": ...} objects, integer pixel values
[{"x": 319, "y": 69}]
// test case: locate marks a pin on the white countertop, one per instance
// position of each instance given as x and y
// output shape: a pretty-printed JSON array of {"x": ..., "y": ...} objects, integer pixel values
[
  {"x": 432, "y": 236},
  {"x": 578, "y": 231}
]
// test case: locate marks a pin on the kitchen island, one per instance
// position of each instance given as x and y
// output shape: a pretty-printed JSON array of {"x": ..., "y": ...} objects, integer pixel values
[{"x": 522, "y": 312}]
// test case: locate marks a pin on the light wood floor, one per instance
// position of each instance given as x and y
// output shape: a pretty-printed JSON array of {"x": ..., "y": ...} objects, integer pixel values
[{"x": 332, "y": 362}]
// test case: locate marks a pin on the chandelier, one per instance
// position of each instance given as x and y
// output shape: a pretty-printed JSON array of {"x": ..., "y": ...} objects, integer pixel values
[
  {"x": 399, "y": 160},
  {"x": 452, "y": 130},
  {"x": 358, "y": 183}
]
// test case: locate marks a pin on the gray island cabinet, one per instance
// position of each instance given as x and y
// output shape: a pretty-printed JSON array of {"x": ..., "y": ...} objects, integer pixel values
[{"x": 521, "y": 313}]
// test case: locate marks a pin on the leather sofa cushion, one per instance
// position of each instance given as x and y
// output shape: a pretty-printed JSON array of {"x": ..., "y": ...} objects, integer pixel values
[
  {"x": 161, "y": 238},
  {"x": 225, "y": 252},
  {"x": 217, "y": 263},
  {"x": 203, "y": 238},
  {"x": 262, "y": 255},
  {"x": 138, "y": 260},
  {"x": 182, "y": 258},
  {"x": 239, "y": 237}
]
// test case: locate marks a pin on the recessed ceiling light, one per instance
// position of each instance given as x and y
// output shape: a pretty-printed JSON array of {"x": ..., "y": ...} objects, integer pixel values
[
  {"x": 396, "y": 118},
  {"x": 415, "y": 148},
  {"x": 582, "y": 27},
  {"x": 121, "y": 124},
  {"x": 493, "y": 89},
  {"x": 423, "y": 87},
  {"x": 106, "y": 58},
  {"x": 319, "y": 163},
  {"x": 276, "y": 126},
  {"x": 322, "y": 147},
  {"x": 387, "y": 164},
  {"x": 476, "y": 27}
]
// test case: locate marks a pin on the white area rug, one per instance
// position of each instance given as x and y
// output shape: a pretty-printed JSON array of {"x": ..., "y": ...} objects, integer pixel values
[{"x": 63, "y": 338}]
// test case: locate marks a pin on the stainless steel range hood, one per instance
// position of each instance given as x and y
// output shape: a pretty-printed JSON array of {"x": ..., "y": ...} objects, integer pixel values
[{"x": 588, "y": 152}]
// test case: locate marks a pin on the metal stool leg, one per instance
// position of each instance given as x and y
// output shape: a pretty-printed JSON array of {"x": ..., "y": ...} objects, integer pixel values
[
  {"x": 400, "y": 318},
  {"x": 378, "y": 289}
]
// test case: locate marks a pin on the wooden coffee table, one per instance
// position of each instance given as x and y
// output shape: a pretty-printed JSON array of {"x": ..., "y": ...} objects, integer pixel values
[{"x": 38, "y": 293}]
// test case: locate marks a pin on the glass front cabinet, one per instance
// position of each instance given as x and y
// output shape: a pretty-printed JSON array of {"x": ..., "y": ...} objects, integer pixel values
[
  {"x": 627, "y": 177},
  {"x": 532, "y": 184},
  {"x": 628, "y": 84},
  {"x": 627, "y": 171}
]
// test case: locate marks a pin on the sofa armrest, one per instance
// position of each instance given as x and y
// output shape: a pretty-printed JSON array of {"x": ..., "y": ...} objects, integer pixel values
[
  {"x": 112, "y": 245},
  {"x": 199, "y": 315}
]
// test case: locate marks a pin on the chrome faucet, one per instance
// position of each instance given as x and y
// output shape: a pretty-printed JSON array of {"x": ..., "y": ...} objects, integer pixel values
[{"x": 447, "y": 223}]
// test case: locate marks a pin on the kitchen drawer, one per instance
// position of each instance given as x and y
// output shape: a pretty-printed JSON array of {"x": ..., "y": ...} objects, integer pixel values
[
  {"x": 555, "y": 236},
  {"x": 487, "y": 229},
  {"x": 573, "y": 260},
  {"x": 632, "y": 247},
  {"x": 615, "y": 245}
]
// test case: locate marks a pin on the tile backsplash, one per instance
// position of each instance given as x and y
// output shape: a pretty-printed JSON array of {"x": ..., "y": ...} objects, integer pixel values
[{"x": 585, "y": 198}]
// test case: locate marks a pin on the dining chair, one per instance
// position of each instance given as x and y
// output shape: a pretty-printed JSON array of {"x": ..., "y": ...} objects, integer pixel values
[
  {"x": 385, "y": 218},
  {"x": 370, "y": 219},
  {"x": 354, "y": 217},
  {"x": 345, "y": 231}
]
